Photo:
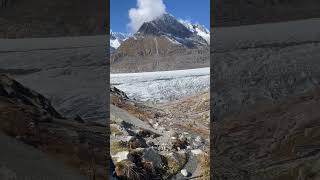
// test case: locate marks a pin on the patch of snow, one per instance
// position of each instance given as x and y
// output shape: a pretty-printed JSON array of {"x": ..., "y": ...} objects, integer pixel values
[
  {"x": 114, "y": 43},
  {"x": 197, "y": 28},
  {"x": 187, "y": 24},
  {"x": 173, "y": 40},
  {"x": 196, "y": 151},
  {"x": 116, "y": 38},
  {"x": 184, "y": 172},
  {"x": 204, "y": 35}
]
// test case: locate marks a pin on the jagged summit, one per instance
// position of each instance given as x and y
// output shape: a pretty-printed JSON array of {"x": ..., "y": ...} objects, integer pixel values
[
  {"x": 162, "y": 44},
  {"x": 116, "y": 38},
  {"x": 197, "y": 29},
  {"x": 165, "y": 24}
]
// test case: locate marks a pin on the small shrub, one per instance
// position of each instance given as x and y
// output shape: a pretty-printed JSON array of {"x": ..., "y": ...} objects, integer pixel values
[
  {"x": 128, "y": 170},
  {"x": 118, "y": 146},
  {"x": 172, "y": 166},
  {"x": 134, "y": 144},
  {"x": 180, "y": 144}
]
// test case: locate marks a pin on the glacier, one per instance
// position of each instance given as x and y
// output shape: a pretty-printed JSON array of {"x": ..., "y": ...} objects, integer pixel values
[{"x": 162, "y": 86}]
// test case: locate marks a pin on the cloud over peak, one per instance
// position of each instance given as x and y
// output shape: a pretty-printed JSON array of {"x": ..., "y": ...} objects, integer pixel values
[{"x": 146, "y": 10}]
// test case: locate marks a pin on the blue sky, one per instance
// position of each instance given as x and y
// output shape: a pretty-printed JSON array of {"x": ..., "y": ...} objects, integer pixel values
[{"x": 194, "y": 10}]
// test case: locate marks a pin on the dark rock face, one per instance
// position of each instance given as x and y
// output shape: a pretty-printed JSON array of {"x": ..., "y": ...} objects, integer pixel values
[
  {"x": 117, "y": 92},
  {"x": 165, "y": 24}
]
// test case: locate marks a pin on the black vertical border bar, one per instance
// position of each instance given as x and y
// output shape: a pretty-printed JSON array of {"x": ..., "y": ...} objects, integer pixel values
[
  {"x": 211, "y": 93},
  {"x": 107, "y": 91}
]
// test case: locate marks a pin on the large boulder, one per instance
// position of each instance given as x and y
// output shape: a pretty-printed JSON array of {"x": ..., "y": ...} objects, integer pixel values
[{"x": 150, "y": 155}]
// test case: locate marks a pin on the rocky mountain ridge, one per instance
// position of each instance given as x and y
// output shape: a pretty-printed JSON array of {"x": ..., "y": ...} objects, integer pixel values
[
  {"x": 197, "y": 28},
  {"x": 116, "y": 38},
  {"x": 165, "y": 24},
  {"x": 161, "y": 44}
]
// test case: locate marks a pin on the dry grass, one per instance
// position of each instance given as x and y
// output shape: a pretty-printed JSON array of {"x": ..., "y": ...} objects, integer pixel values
[
  {"x": 190, "y": 128},
  {"x": 116, "y": 131},
  {"x": 204, "y": 162},
  {"x": 118, "y": 146},
  {"x": 128, "y": 170}
]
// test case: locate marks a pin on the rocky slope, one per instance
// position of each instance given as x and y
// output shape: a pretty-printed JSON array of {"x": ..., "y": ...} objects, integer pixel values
[
  {"x": 243, "y": 12},
  {"x": 154, "y": 142},
  {"x": 162, "y": 44},
  {"x": 37, "y": 18},
  {"x": 30, "y": 118}
]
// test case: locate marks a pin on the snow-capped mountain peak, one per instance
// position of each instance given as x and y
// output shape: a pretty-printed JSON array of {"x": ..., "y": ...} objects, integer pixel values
[
  {"x": 165, "y": 24},
  {"x": 168, "y": 31},
  {"x": 116, "y": 38},
  {"x": 169, "y": 26},
  {"x": 198, "y": 29}
]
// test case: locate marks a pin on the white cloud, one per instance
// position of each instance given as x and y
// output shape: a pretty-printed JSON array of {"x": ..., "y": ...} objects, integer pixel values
[{"x": 146, "y": 10}]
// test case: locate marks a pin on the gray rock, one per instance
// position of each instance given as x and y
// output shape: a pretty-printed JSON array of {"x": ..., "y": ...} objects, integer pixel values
[
  {"x": 199, "y": 139},
  {"x": 183, "y": 138},
  {"x": 150, "y": 154},
  {"x": 150, "y": 143},
  {"x": 130, "y": 138}
]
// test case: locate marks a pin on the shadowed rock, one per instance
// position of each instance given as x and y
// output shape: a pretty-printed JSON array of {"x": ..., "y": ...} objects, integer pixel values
[{"x": 29, "y": 117}]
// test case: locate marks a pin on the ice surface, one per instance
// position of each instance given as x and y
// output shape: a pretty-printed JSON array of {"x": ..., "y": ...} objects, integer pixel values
[{"x": 163, "y": 85}]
